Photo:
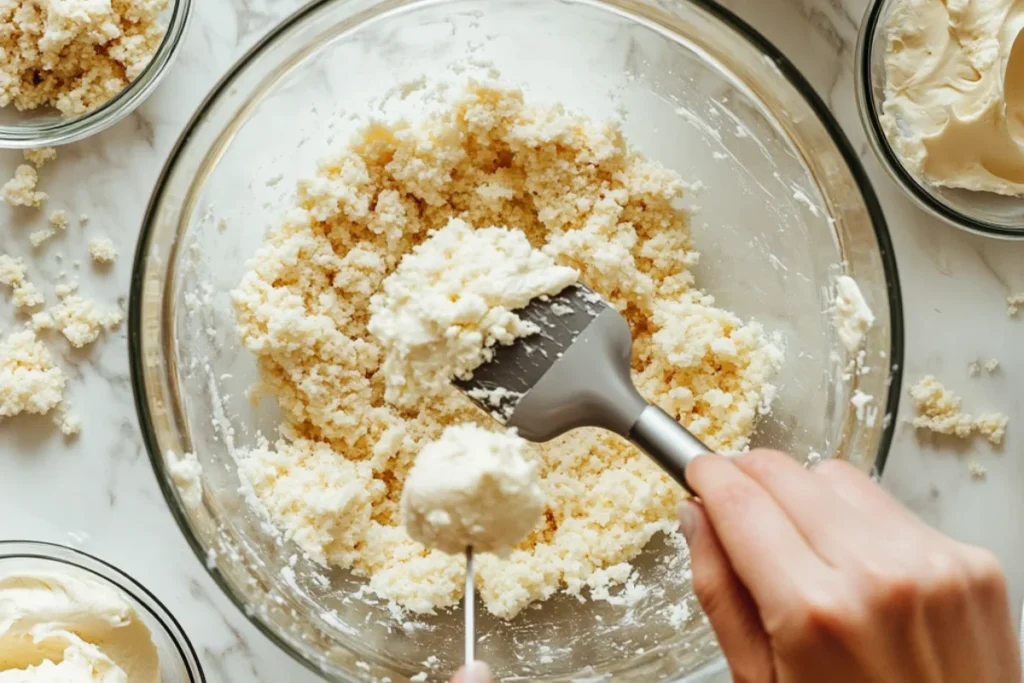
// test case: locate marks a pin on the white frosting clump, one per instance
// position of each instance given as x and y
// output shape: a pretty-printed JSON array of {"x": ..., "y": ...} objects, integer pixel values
[
  {"x": 472, "y": 487},
  {"x": 59, "y": 628},
  {"x": 451, "y": 300}
]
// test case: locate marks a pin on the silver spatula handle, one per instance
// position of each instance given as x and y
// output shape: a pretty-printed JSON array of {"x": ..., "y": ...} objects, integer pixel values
[{"x": 668, "y": 442}]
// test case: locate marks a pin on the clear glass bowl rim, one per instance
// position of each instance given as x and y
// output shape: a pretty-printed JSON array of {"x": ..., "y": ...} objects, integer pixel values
[
  {"x": 55, "y": 552},
  {"x": 789, "y": 71},
  {"x": 869, "y": 117},
  {"x": 118, "y": 108}
]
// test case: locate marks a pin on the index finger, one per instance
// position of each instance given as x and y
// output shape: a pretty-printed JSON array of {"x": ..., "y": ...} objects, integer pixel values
[{"x": 770, "y": 555}]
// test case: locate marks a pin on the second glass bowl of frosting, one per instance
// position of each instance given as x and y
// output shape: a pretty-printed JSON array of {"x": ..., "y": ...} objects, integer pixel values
[{"x": 941, "y": 94}]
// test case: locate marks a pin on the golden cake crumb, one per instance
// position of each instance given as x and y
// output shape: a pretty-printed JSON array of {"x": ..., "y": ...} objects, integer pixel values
[
  {"x": 102, "y": 250},
  {"x": 39, "y": 157},
  {"x": 939, "y": 411},
  {"x": 21, "y": 189}
]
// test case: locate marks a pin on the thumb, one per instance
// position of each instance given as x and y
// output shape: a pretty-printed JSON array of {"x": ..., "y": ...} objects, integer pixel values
[
  {"x": 730, "y": 609},
  {"x": 476, "y": 672}
]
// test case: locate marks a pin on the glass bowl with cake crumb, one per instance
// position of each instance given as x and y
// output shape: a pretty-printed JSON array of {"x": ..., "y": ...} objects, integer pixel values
[
  {"x": 668, "y": 153},
  {"x": 964, "y": 174},
  {"x": 69, "y": 70},
  {"x": 122, "y": 623}
]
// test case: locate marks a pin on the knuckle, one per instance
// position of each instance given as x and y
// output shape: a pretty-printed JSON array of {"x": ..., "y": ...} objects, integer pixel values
[
  {"x": 815, "y": 620},
  {"x": 834, "y": 467},
  {"x": 763, "y": 460},
  {"x": 706, "y": 588},
  {"x": 984, "y": 572}
]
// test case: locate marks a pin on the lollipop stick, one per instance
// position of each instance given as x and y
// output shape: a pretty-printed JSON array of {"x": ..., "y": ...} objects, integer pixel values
[{"x": 468, "y": 608}]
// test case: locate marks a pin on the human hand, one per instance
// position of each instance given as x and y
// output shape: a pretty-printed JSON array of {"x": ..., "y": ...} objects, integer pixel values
[
  {"x": 477, "y": 672},
  {"x": 818, "y": 575}
]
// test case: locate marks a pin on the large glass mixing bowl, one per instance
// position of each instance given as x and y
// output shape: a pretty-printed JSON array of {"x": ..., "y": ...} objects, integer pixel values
[{"x": 786, "y": 209}]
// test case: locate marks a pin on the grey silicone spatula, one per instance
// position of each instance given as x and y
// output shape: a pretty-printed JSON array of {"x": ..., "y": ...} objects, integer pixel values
[{"x": 576, "y": 373}]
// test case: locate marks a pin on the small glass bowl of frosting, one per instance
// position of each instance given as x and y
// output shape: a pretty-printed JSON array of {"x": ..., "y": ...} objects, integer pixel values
[
  {"x": 65, "y": 615},
  {"x": 940, "y": 87}
]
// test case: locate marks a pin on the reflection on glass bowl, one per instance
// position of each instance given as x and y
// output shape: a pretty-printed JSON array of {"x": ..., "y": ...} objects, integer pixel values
[{"x": 786, "y": 209}]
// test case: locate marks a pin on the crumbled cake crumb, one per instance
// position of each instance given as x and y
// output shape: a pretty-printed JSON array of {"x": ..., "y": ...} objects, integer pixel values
[
  {"x": 21, "y": 189},
  {"x": 40, "y": 156},
  {"x": 38, "y": 237},
  {"x": 974, "y": 368},
  {"x": 70, "y": 425},
  {"x": 42, "y": 321},
  {"x": 74, "y": 56},
  {"x": 1013, "y": 303},
  {"x": 14, "y": 274},
  {"x": 59, "y": 219},
  {"x": 29, "y": 381},
  {"x": 102, "y": 250},
  {"x": 939, "y": 411},
  {"x": 80, "y": 320},
  {"x": 978, "y": 471}
]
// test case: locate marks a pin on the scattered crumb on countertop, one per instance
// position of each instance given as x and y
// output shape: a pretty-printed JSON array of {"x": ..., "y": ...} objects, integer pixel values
[
  {"x": 29, "y": 381},
  {"x": 978, "y": 471},
  {"x": 40, "y": 156},
  {"x": 70, "y": 424},
  {"x": 102, "y": 250},
  {"x": 939, "y": 411},
  {"x": 80, "y": 320},
  {"x": 59, "y": 219},
  {"x": 21, "y": 189},
  {"x": 38, "y": 237},
  {"x": 1013, "y": 303},
  {"x": 13, "y": 273},
  {"x": 974, "y": 368}
]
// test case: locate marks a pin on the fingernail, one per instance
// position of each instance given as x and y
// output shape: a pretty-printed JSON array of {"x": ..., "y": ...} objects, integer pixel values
[
  {"x": 689, "y": 517},
  {"x": 477, "y": 672}
]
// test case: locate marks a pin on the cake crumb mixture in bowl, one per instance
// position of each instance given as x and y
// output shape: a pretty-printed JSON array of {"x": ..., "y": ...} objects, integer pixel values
[
  {"x": 72, "y": 68},
  {"x": 354, "y": 214}
]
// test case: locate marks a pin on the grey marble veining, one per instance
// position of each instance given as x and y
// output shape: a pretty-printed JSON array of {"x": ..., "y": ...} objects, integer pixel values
[{"x": 98, "y": 492}]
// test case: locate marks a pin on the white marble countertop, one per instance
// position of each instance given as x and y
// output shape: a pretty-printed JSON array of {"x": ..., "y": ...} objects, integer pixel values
[{"x": 98, "y": 492}]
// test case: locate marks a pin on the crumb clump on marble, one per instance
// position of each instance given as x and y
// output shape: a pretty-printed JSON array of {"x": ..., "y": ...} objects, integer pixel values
[
  {"x": 978, "y": 471},
  {"x": 40, "y": 156},
  {"x": 332, "y": 482},
  {"x": 81, "y": 320},
  {"x": 472, "y": 487},
  {"x": 29, "y": 380},
  {"x": 14, "y": 274},
  {"x": 21, "y": 189},
  {"x": 939, "y": 411},
  {"x": 102, "y": 250},
  {"x": 1013, "y": 303},
  {"x": 990, "y": 366},
  {"x": 74, "y": 55}
]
